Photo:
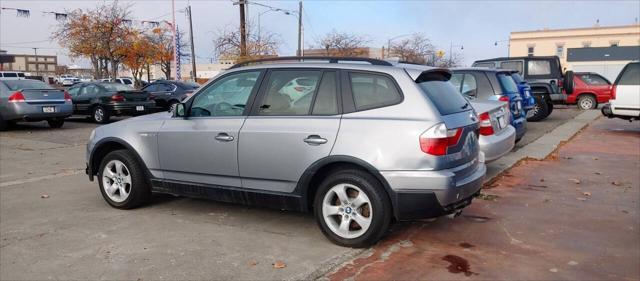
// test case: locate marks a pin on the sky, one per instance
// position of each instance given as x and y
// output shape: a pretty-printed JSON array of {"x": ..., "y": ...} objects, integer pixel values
[{"x": 475, "y": 25}]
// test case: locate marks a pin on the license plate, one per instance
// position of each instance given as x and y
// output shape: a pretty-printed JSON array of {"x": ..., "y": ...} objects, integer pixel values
[
  {"x": 140, "y": 108},
  {"x": 48, "y": 109},
  {"x": 502, "y": 122}
]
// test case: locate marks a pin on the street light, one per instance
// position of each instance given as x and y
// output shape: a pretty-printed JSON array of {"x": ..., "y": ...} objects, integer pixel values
[
  {"x": 451, "y": 52},
  {"x": 391, "y": 39}
]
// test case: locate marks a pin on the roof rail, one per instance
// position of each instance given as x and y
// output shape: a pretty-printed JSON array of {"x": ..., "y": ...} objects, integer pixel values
[{"x": 316, "y": 58}]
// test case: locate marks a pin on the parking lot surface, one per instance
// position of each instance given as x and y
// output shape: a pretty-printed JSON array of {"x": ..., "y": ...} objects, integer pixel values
[
  {"x": 54, "y": 223},
  {"x": 574, "y": 216}
]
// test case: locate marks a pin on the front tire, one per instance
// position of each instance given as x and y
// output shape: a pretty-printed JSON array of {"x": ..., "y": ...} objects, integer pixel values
[
  {"x": 586, "y": 102},
  {"x": 352, "y": 208},
  {"x": 55, "y": 122},
  {"x": 122, "y": 181},
  {"x": 539, "y": 111},
  {"x": 100, "y": 115}
]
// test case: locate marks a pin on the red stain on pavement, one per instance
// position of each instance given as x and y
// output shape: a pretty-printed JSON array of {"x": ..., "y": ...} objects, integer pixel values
[{"x": 458, "y": 265}]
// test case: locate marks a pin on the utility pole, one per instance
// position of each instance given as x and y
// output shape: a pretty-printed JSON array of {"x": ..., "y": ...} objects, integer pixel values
[
  {"x": 243, "y": 32},
  {"x": 193, "y": 52},
  {"x": 300, "y": 30},
  {"x": 175, "y": 48},
  {"x": 35, "y": 51}
]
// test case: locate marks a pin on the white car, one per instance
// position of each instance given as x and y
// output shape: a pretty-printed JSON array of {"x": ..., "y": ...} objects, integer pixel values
[
  {"x": 11, "y": 75},
  {"x": 625, "y": 102},
  {"x": 70, "y": 81}
]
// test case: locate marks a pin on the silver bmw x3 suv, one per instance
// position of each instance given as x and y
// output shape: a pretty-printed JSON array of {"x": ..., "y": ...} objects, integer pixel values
[{"x": 359, "y": 142}]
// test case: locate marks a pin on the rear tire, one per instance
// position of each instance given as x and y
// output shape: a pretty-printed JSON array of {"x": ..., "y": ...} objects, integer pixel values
[
  {"x": 356, "y": 217},
  {"x": 539, "y": 111},
  {"x": 100, "y": 115},
  {"x": 3, "y": 124},
  {"x": 122, "y": 181},
  {"x": 55, "y": 122},
  {"x": 586, "y": 102}
]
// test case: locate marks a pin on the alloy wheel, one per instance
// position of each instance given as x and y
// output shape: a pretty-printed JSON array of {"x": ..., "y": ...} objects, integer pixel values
[
  {"x": 347, "y": 211},
  {"x": 116, "y": 181}
]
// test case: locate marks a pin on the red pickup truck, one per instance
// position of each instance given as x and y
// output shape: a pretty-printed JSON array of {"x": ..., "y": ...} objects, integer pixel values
[{"x": 589, "y": 89}]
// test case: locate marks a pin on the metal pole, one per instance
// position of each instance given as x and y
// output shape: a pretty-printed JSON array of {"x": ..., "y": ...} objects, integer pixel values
[
  {"x": 193, "y": 52},
  {"x": 300, "y": 51},
  {"x": 175, "y": 48},
  {"x": 450, "y": 51},
  {"x": 243, "y": 32},
  {"x": 35, "y": 51}
]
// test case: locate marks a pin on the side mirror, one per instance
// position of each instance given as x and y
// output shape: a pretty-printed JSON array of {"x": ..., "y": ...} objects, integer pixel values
[{"x": 179, "y": 110}]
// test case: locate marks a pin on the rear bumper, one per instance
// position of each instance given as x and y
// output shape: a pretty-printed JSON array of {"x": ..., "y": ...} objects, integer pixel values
[
  {"x": 612, "y": 111},
  {"x": 520, "y": 125},
  {"x": 130, "y": 108},
  {"x": 497, "y": 145},
  {"x": 33, "y": 112},
  {"x": 429, "y": 194}
]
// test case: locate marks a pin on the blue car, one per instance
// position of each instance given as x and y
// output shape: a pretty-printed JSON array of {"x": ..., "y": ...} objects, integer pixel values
[
  {"x": 493, "y": 84},
  {"x": 528, "y": 101}
]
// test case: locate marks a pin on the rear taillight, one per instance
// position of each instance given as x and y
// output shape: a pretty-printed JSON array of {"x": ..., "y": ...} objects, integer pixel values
[
  {"x": 613, "y": 92},
  {"x": 117, "y": 97},
  {"x": 486, "y": 129},
  {"x": 504, "y": 98},
  {"x": 16, "y": 97},
  {"x": 67, "y": 97},
  {"x": 438, "y": 139}
]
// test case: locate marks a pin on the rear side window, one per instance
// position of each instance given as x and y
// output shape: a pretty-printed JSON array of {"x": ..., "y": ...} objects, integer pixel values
[
  {"x": 539, "y": 67},
  {"x": 373, "y": 91},
  {"x": 444, "y": 96},
  {"x": 513, "y": 65},
  {"x": 10, "y": 74},
  {"x": 630, "y": 75},
  {"x": 15, "y": 85},
  {"x": 484, "y": 64},
  {"x": 592, "y": 79},
  {"x": 290, "y": 92},
  {"x": 507, "y": 83}
]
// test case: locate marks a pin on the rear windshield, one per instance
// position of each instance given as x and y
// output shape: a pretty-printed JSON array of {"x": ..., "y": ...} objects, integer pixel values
[
  {"x": 517, "y": 78},
  {"x": 15, "y": 85},
  {"x": 630, "y": 75},
  {"x": 445, "y": 97},
  {"x": 116, "y": 87},
  {"x": 189, "y": 85},
  {"x": 507, "y": 83}
]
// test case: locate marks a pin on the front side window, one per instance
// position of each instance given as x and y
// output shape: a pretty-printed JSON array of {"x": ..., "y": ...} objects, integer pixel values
[
  {"x": 373, "y": 90},
  {"x": 225, "y": 97},
  {"x": 513, "y": 65},
  {"x": 539, "y": 67},
  {"x": 592, "y": 79},
  {"x": 289, "y": 92}
]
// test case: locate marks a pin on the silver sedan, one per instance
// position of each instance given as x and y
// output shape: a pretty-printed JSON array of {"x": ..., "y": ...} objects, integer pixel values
[
  {"x": 497, "y": 137},
  {"x": 32, "y": 100}
]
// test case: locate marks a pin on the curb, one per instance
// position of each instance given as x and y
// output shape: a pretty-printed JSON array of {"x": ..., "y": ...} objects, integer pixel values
[{"x": 543, "y": 146}]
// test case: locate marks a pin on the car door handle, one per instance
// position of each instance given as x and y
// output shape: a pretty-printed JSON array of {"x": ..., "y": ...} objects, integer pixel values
[
  {"x": 224, "y": 137},
  {"x": 315, "y": 140}
]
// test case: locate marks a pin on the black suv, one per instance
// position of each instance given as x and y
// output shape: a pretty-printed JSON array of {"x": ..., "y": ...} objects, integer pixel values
[{"x": 544, "y": 75}]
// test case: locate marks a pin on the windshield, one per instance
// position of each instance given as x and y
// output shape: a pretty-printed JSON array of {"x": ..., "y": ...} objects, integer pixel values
[
  {"x": 507, "y": 83},
  {"x": 445, "y": 97},
  {"x": 116, "y": 87},
  {"x": 15, "y": 85}
]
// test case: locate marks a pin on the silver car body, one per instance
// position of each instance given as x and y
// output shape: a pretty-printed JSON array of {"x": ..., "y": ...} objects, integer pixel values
[
  {"x": 503, "y": 139},
  {"x": 268, "y": 154},
  {"x": 38, "y": 104}
]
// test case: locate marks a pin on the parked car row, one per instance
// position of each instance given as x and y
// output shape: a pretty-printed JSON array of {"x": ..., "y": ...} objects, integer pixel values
[{"x": 32, "y": 100}]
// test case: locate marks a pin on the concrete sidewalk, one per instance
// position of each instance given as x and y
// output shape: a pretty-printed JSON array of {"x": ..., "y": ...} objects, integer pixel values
[{"x": 575, "y": 216}]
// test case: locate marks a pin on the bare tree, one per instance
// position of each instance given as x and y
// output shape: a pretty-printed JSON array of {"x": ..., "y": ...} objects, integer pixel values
[
  {"x": 265, "y": 44},
  {"x": 417, "y": 49},
  {"x": 342, "y": 44}
]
